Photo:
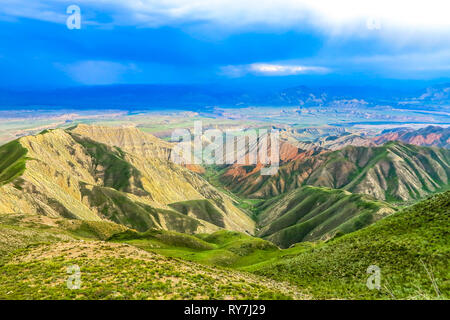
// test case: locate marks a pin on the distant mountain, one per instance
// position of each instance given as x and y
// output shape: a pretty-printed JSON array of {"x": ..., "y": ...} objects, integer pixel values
[
  {"x": 393, "y": 172},
  {"x": 437, "y": 94},
  {"x": 313, "y": 213},
  {"x": 429, "y": 136},
  {"x": 123, "y": 97},
  {"x": 117, "y": 174},
  {"x": 203, "y": 97},
  {"x": 300, "y": 96}
]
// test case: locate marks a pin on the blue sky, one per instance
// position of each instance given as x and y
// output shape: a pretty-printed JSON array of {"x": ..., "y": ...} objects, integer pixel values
[{"x": 225, "y": 41}]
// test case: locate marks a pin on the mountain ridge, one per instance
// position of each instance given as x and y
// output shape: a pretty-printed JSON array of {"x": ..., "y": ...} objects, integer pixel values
[
  {"x": 74, "y": 176},
  {"x": 393, "y": 171}
]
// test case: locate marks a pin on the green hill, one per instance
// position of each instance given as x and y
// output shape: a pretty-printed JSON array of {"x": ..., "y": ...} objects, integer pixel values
[
  {"x": 411, "y": 247},
  {"x": 36, "y": 251},
  {"x": 120, "y": 271},
  {"x": 17, "y": 231},
  {"x": 313, "y": 213},
  {"x": 221, "y": 248}
]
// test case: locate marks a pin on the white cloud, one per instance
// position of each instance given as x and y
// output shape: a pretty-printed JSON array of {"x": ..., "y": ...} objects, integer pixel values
[
  {"x": 326, "y": 15},
  {"x": 267, "y": 69}
]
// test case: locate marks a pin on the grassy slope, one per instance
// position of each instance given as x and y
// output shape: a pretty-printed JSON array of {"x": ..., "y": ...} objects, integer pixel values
[
  {"x": 311, "y": 213},
  {"x": 406, "y": 246},
  {"x": 35, "y": 252},
  {"x": 19, "y": 231},
  {"x": 222, "y": 248},
  {"x": 12, "y": 161}
]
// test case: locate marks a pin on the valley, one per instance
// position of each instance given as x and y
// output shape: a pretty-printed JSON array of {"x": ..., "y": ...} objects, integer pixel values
[{"x": 108, "y": 197}]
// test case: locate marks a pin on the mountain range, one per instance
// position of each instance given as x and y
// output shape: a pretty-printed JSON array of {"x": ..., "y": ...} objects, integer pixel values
[
  {"x": 109, "y": 199},
  {"x": 199, "y": 97},
  {"x": 393, "y": 171},
  {"x": 429, "y": 136}
]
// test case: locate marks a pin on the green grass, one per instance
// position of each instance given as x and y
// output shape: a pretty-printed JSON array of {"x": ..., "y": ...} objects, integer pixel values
[
  {"x": 112, "y": 272},
  {"x": 162, "y": 238},
  {"x": 20, "y": 231},
  {"x": 411, "y": 248},
  {"x": 12, "y": 161},
  {"x": 313, "y": 213},
  {"x": 221, "y": 248}
]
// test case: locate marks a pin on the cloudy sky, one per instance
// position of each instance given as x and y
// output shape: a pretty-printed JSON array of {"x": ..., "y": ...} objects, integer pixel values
[{"x": 223, "y": 41}]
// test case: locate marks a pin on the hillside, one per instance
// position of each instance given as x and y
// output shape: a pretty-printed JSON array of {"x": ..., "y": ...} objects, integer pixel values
[
  {"x": 12, "y": 161},
  {"x": 392, "y": 172},
  {"x": 313, "y": 213},
  {"x": 411, "y": 247},
  {"x": 249, "y": 183},
  {"x": 221, "y": 248},
  {"x": 36, "y": 252},
  {"x": 66, "y": 174}
]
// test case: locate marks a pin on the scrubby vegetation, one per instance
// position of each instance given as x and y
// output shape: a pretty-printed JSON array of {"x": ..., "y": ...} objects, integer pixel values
[
  {"x": 18, "y": 231},
  {"x": 410, "y": 247},
  {"x": 119, "y": 271},
  {"x": 221, "y": 248}
]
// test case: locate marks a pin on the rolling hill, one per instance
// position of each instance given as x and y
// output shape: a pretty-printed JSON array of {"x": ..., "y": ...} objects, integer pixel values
[
  {"x": 36, "y": 252},
  {"x": 313, "y": 213},
  {"x": 64, "y": 173},
  {"x": 411, "y": 248}
]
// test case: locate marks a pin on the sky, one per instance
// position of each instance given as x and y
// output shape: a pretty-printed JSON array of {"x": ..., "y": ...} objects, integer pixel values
[{"x": 250, "y": 42}]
